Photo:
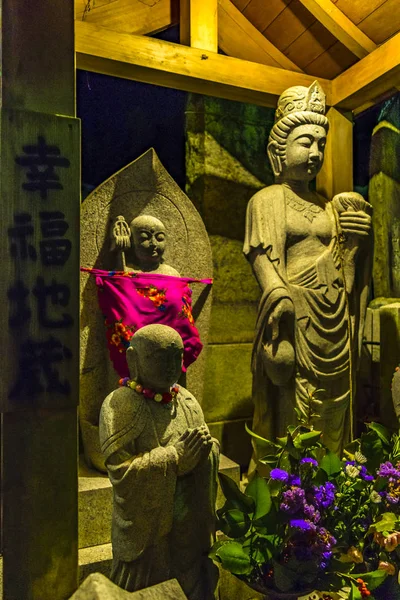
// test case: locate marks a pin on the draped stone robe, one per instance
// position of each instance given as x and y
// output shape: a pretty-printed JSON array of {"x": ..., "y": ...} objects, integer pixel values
[
  {"x": 163, "y": 524},
  {"x": 329, "y": 306}
]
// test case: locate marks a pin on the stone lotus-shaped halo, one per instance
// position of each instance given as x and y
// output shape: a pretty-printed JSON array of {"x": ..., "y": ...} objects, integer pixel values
[{"x": 299, "y": 99}]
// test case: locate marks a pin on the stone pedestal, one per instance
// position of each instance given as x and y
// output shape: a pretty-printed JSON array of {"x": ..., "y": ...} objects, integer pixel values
[
  {"x": 226, "y": 164},
  {"x": 98, "y": 587}
]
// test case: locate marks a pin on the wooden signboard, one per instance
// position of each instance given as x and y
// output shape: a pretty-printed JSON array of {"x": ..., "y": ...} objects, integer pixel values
[{"x": 40, "y": 261}]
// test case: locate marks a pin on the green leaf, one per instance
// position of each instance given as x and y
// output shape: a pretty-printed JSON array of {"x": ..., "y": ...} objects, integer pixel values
[
  {"x": 284, "y": 461},
  {"x": 381, "y": 432},
  {"x": 215, "y": 547},
  {"x": 321, "y": 477},
  {"x": 355, "y": 593},
  {"x": 372, "y": 448},
  {"x": 386, "y": 523},
  {"x": 373, "y": 579},
  {"x": 270, "y": 459},
  {"x": 331, "y": 463},
  {"x": 234, "y": 496},
  {"x": 234, "y": 523},
  {"x": 307, "y": 438},
  {"x": 282, "y": 441},
  {"x": 234, "y": 558},
  {"x": 261, "y": 445},
  {"x": 258, "y": 490}
]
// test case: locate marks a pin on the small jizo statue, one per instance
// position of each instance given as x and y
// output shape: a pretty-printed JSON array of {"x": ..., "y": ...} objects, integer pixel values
[
  {"x": 312, "y": 258},
  {"x": 149, "y": 240},
  {"x": 162, "y": 463}
]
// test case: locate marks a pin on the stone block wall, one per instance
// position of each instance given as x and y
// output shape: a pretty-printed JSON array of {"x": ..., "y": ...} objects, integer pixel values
[{"x": 226, "y": 164}]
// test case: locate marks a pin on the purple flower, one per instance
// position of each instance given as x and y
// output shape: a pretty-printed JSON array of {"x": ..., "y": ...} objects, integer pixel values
[
  {"x": 279, "y": 474},
  {"x": 302, "y": 524},
  {"x": 325, "y": 559},
  {"x": 364, "y": 474},
  {"x": 294, "y": 480},
  {"x": 324, "y": 495},
  {"x": 311, "y": 513},
  {"x": 293, "y": 500},
  {"x": 309, "y": 461},
  {"x": 325, "y": 538},
  {"x": 388, "y": 470},
  {"x": 392, "y": 499}
]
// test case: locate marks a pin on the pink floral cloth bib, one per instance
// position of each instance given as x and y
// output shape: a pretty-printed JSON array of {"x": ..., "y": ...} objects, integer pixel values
[{"x": 130, "y": 301}]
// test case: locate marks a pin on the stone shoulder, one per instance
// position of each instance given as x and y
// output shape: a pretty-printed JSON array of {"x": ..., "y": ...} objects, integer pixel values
[
  {"x": 266, "y": 194},
  {"x": 121, "y": 410}
]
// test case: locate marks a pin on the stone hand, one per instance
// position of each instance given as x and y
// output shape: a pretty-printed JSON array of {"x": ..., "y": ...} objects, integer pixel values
[
  {"x": 192, "y": 446},
  {"x": 355, "y": 223},
  {"x": 283, "y": 308}
]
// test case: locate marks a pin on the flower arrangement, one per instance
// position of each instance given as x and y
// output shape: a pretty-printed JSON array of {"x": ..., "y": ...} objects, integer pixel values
[{"x": 315, "y": 521}]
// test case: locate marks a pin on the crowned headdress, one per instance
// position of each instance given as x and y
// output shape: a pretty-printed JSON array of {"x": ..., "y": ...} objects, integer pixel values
[{"x": 301, "y": 99}]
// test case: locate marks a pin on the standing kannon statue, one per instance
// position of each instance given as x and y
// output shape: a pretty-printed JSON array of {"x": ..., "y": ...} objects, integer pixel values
[{"x": 312, "y": 259}]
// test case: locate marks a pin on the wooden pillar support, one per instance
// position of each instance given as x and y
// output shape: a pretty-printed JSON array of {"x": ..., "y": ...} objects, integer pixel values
[
  {"x": 336, "y": 174},
  {"x": 199, "y": 24},
  {"x": 39, "y": 337}
]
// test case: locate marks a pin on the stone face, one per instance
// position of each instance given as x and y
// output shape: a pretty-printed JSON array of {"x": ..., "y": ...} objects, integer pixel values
[
  {"x": 303, "y": 351},
  {"x": 98, "y": 587},
  {"x": 143, "y": 187}
]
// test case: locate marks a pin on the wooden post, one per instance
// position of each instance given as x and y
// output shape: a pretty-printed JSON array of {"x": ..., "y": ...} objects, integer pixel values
[
  {"x": 199, "y": 24},
  {"x": 336, "y": 174},
  {"x": 39, "y": 248}
]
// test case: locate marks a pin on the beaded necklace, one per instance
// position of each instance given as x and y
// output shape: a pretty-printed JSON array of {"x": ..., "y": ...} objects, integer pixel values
[{"x": 164, "y": 398}]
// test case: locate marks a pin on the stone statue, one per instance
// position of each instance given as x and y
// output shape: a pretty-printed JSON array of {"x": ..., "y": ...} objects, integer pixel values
[
  {"x": 312, "y": 260},
  {"x": 162, "y": 463},
  {"x": 142, "y": 190},
  {"x": 149, "y": 240}
]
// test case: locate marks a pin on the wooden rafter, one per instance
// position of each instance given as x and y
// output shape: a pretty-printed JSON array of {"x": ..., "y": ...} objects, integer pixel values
[
  {"x": 238, "y": 37},
  {"x": 340, "y": 26},
  {"x": 128, "y": 16},
  {"x": 154, "y": 61},
  {"x": 199, "y": 24},
  {"x": 371, "y": 77}
]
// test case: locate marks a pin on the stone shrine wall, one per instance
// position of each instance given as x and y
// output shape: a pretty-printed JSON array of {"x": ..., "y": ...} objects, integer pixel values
[{"x": 226, "y": 163}]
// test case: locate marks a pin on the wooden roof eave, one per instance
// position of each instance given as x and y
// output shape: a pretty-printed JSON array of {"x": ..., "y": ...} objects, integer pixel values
[{"x": 163, "y": 63}]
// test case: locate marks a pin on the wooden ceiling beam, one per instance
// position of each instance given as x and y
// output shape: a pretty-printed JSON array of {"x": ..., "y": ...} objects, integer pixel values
[
  {"x": 154, "y": 61},
  {"x": 239, "y": 38},
  {"x": 128, "y": 16},
  {"x": 368, "y": 79},
  {"x": 340, "y": 26},
  {"x": 199, "y": 24}
]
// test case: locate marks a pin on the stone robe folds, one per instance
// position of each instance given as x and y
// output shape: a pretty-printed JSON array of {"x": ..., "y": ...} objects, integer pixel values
[
  {"x": 163, "y": 525},
  {"x": 327, "y": 303}
]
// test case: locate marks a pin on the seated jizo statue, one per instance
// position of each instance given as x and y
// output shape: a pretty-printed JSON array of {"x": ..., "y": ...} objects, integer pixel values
[
  {"x": 162, "y": 463},
  {"x": 141, "y": 245},
  {"x": 312, "y": 259}
]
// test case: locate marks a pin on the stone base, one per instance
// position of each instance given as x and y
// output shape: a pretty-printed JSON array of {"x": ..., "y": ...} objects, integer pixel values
[
  {"x": 95, "y": 507},
  {"x": 98, "y": 587},
  {"x": 96, "y": 559}
]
